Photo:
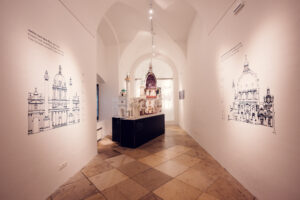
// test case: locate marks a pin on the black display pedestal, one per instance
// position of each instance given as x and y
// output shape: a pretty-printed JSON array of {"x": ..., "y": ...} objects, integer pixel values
[{"x": 135, "y": 132}]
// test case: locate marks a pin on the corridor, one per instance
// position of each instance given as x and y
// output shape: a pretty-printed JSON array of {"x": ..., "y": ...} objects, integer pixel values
[{"x": 170, "y": 167}]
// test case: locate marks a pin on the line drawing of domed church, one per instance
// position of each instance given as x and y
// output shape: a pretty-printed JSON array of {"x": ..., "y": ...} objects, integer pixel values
[
  {"x": 246, "y": 106},
  {"x": 55, "y": 107}
]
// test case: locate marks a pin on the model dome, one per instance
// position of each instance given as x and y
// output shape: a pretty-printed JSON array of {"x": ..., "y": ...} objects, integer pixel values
[{"x": 150, "y": 79}]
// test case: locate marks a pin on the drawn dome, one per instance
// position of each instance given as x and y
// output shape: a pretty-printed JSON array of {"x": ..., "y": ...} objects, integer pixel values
[
  {"x": 59, "y": 80},
  {"x": 248, "y": 81}
]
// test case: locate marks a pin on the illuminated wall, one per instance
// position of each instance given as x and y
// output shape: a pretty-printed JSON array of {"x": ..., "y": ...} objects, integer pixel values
[
  {"x": 264, "y": 159},
  {"x": 35, "y": 165}
]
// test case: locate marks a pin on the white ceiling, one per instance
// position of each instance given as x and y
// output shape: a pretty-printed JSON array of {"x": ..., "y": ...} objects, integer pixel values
[
  {"x": 126, "y": 18},
  {"x": 124, "y": 24},
  {"x": 126, "y": 21}
]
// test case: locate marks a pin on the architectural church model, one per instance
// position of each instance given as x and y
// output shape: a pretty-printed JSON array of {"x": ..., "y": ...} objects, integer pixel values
[{"x": 54, "y": 107}]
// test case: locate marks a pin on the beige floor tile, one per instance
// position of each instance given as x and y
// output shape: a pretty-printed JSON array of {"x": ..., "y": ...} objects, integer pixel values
[
  {"x": 75, "y": 191},
  {"x": 96, "y": 160},
  {"x": 224, "y": 189},
  {"x": 151, "y": 196},
  {"x": 97, "y": 196},
  {"x": 170, "y": 142},
  {"x": 155, "y": 146},
  {"x": 108, "y": 179},
  {"x": 174, "y": 153},
  {"x": 96, "y": 168},
  {"x": 120, "y": 160},
  {"x": 177, "y": 190},
  {"x": 196, "y": 153},
  {"x": 172, "y": 126},
  {"x": 200, "y": 153},
  {"x": 78, "y": 176},
  {"x": 127, "y": 189},
  {"x": 172, "y": 168},
  {"x": 108, "y": 153},
  {"x": 105, "y": 142},
  {"x": 120, "y": 149},
  {"x": 153, "y": 149},
  {"x": 179, "y": 149},
  {"x": 187, "y": 160},
  {"x": 151, "y": 179},
  {"x": 174, "y": 130},
  {"x": 133, "y": 168},
  {"x": 212, "y": 169},
  {"x": 206, "y": 196},
  {"x": 114, "y": 195},
  {"x": 188, "y": 142},
  {"x": 196, "y": 179},
  {"x": 153, "y": 160},
  {"x": 136, "y": 153},
  {"x": 167, "y": 154}
]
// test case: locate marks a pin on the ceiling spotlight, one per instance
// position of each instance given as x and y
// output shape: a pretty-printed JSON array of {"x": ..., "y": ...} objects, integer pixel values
[
  {"x": 150, "y": 11},
  {"x": 150, "y": 17},
  {"x": 153, "y": 46}
]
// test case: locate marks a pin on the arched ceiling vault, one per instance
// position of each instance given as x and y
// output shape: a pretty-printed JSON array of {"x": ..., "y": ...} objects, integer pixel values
[
  {"x": 125, "y": 23},
  {"x": 175, "y": 17},
  {"x": 131, "y": 16},
  {"x": 128, "y": 17},
  {"x": 129, "y": 21}
]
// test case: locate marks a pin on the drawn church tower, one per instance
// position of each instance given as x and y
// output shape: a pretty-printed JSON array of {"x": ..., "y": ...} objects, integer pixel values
[
  {"x": 71, "y": 115},
  {"x": 47, "y": 124}
]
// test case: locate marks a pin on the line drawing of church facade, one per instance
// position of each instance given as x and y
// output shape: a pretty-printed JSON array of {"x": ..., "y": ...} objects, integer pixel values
[
  {"x": 246, "y": 106},
  {"x": 55, "y": 107}
]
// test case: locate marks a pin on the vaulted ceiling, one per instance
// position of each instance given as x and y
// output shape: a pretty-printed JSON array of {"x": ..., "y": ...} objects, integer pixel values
[
  {"x": 131, "y": 16},
  {"x": 120, "y": 21}
]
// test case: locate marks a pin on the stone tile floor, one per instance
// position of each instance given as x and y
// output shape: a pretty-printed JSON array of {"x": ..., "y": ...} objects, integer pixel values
[{"x": 170, "y": 167}]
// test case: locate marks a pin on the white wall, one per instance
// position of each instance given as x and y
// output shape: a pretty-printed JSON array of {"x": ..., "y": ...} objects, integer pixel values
[
  {"x": 100, "y": 74},
  {"x": 109, "y": 90},
  {"x": 108, "y": 69},
  {"x": 266, "y": 164},
  {"x": 29, "y": 163}
]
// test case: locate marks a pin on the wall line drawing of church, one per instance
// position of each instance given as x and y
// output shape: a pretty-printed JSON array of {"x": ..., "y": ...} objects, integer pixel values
[
  {"x": 55, "y": 107},
  {"x": 246, "y": 106}
]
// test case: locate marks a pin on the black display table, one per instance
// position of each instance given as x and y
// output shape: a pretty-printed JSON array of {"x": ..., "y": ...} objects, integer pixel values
[{"x": 133, "y": 132}]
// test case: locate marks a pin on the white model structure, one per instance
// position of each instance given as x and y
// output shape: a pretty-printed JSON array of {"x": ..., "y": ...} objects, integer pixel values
[
  {"x": 152, "y": 93},
  {"x": 149, "y": 102}
]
